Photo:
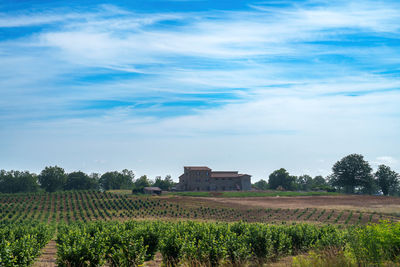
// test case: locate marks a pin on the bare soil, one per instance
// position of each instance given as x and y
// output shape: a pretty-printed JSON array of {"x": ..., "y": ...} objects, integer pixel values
[
  {"x": 48, "y": 256},
  {"x": 378, "y": 204}
]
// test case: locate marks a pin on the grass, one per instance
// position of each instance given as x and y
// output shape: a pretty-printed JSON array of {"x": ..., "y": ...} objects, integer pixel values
[
  {"x": 252, "y": 194},
  {"x": 120, "y": 191},
  {"x": 191, "y": 194}
]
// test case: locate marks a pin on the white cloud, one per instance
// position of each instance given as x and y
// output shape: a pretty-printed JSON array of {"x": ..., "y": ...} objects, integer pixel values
[
  {"x": 290, "y": 110},
  {"x": 386, "y": 160}
]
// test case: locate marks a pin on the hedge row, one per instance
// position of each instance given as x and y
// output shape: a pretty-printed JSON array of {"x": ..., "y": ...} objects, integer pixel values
[
  {"x": 21, "y": 243},
  {"x": 133, "y": 242}
]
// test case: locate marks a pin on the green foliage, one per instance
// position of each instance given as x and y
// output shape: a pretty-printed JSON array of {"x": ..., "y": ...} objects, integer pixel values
[
  {"x": 194, "y": 243},
  {"x": 80, "y": 181},
  {"x": 201, "y": 244},
  {"x": 21, "y": 243},
  {"x": 237, "y": 250},
  {"x": 324, "y": 258},
  {"x": 261, "y": 185},
  {"x": 79, "y": 246},
  {"x": 387, "y": 180},
  {"x": 52, "y": 179},
  {"x": 97, "y": 243},
  {"x": 353, "y": 171},
  {"x": 164, "y": 184},
  {"x": 171, "y": 245},
  {"x": 17, "y": 181},
  {"x": 141, "y": 183},
  {"x": 375, "y": 243},
  {"x": 117, "y": 180},
  {"x": 304, "y": 182},
  {"x": 319, "y": 183},
  {"x": 281, "y": 178}
]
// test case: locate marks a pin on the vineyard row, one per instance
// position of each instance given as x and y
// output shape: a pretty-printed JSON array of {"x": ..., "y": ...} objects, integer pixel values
[
  {"x": 92, "y": 205},
  {"x": 213, "y": 244}
]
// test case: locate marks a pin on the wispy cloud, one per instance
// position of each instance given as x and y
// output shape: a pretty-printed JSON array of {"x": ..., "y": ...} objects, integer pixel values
[
  {"x": 296, "y": 72},
  {"x": 386, "y": 160}
]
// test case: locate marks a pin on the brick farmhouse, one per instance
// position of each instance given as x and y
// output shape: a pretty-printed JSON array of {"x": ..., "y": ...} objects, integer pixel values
[{"x": 198, "y": 178}]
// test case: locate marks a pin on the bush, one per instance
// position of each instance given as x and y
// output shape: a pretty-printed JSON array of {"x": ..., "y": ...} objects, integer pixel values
[
  {"x": 20, "y": 243},
  {"x": 376, "y": 243},
  {"x": 213, "y": 244}
]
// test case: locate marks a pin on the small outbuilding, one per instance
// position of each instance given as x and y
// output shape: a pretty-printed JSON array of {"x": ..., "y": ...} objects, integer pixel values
[{"x": 152, "y": 190}]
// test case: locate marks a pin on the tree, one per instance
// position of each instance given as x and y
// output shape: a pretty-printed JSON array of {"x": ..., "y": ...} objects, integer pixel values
[
  {"x": 281, "y": 178},
  {"x": 304, "y": 182},
  {"x": 116, "y": 180},
  {"x": 18, "y": 181},
  {"x": 352, "y": 171},
  {"x": 52, "y": 178},
  {"x": 164, "y": 184},
  {"x": 80, "y": 181},
  {"x": 261, "y": 185},
  {"x": 141, "y": 183},
  {"x": 387, "y": 179},
  {"x": 319, "y": 182}
]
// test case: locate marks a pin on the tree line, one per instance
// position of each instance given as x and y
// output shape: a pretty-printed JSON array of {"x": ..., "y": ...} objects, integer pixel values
[
  {"x": 54, "y": 178},
  {"x": 352, "y": 174}
]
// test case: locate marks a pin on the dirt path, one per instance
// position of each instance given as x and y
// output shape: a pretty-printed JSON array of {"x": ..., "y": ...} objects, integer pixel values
[{"x": 48, "y": 257}]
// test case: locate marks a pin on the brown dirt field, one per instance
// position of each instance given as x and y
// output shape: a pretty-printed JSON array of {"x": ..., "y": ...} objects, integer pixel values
[
  {"x": 157, "y": 261},
  {"x": 48, "y": 257},
  {"x": 379, "y": 204},
  {"x": 283, "y": 208}
]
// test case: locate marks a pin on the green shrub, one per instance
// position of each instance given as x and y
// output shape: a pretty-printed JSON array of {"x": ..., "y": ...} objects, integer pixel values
[
  {"x": 376, "y": 243},
  {"x": 20, "y": 243}
]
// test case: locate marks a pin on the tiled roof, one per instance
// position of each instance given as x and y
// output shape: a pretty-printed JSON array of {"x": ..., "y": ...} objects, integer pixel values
[
  {"x": 214, "y": 174},
  {"x": 197, "y": 168},
  {"x": 222, "y": 174}
]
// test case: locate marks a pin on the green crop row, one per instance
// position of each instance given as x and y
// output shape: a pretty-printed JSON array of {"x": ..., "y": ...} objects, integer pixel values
[
  {"x": 211, "y": 244},
  {"x": 376, "y": 243},
  {"x": 21, "y": 243},
  {"x": 85, "y": 206}
]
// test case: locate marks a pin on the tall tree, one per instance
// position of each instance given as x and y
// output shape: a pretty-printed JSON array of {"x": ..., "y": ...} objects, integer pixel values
[
  {"x": 80, "y": 181},
  {"x": 281, "y": 178},
  {"x": 387, "y": 179},
  {"x": 352, "y": 171},
  {"x": 117, "y": 180},
  {"x": 52, "y": 178},
  {"x": 319, "y": 181},
  {"x": 143, "y": 181},
  {"x": 140, "y": 184},
  {"x": 305, "y": 182},
  {"x": 261, "y": 185},
  {"x": 164, "y": 184},
  {"x": 18, "y": 181}
]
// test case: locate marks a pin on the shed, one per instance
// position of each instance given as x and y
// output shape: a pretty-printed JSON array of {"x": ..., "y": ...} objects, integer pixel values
[{"x": 152, "y": 190}]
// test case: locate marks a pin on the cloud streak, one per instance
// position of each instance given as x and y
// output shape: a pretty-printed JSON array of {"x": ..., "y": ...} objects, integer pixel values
[{"x": 294, "y": 73}]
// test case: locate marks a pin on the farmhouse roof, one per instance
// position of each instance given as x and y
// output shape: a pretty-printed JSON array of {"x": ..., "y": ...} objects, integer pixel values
[
  {"x": 218, "y": 174},
  {"x": 226, "y": 174},
  {"x": 197, "y": 168}
]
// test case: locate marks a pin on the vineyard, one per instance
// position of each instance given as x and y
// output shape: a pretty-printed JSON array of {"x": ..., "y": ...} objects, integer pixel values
[
  {"x": 93, "y": 205},
  {"x": 21, "y": 243},
  {"x": 102, "y": 228},
  {"x": 212, "y": 244}
]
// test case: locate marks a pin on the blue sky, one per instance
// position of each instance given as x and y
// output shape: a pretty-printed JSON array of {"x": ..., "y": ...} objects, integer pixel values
[{"x": 155, "y": 85}]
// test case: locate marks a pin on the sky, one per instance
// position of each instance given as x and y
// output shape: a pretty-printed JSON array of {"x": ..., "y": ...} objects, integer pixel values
[{"x": 155, "y": 85}]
